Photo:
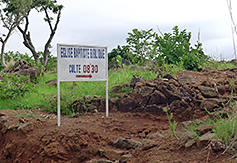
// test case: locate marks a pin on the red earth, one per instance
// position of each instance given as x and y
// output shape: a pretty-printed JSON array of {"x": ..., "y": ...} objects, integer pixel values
[{"x": 34, "y": 136}]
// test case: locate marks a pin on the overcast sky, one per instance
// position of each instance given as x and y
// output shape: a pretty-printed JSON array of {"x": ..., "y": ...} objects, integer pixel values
[{"x": 107, "y": 23}]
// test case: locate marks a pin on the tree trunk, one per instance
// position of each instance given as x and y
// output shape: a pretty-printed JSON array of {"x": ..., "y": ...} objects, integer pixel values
[
  {"x": 2, "y": 56},
  {"x": 27, "y": 40},
  {"x": 53, "y": 31}
]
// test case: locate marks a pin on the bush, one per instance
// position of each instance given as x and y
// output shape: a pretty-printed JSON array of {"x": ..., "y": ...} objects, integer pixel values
[
  {"x": 13, "y": 86},
  {"x": 170, "y": 48},
  {"x": 176, "y": 47},
  {"x": 17, "y": 56}
]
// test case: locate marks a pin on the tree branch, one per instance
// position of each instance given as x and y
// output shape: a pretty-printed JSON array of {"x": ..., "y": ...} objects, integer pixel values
[{"x": 48, "y": 18}]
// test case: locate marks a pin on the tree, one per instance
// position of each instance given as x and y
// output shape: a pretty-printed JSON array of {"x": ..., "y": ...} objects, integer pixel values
[
  {"x": 12, "y": 12},
  {"x": 45, "y": 6},
  {"x": 141, "y": 43},
  {"x": 233, "y": 25},
  {"x": 176, "y": 47}
]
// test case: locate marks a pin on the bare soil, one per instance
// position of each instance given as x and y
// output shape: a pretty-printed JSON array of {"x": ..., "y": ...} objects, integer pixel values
[{"x": 34, "y": 136}]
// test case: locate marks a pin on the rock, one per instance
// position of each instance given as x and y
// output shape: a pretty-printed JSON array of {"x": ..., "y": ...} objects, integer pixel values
[
  {"x": 125, "y": 158},
  {"x": 209, "y": 105},
  {"x": 126, "y": 104},
  {"x": 112, "y": 154},
  {"x": 204, "y": 139},
  {"x": 208, "y": 92},
  {"x": 204, "y": 129},
  {"x": 217, "y": 145},
  {"x": 117, "y": 88},
  {"x": 2, "y": 114},
  {"x": 184, "y": 124},
  {"x": 148, "y": 144},
  {"x": 55, "y": 149},
  {"x": 170, "y": 76},
  {"x": 34, "y": 73},
  {"x": 52, "y": 82},
  {"x": 87, "y": 153},
  {"x": 26, "y": 127},
  {"x": 155, "y": 135},
  {"x": 97, "y": 96},
  {"x": 185, "y": 79},
  {"x": 23, "y": 68},
  {"x": 136, "y": 78},
  {"x": 157, "y": 109},
  {"x": 157, "y": 98},
  {"x": 181, "y": 109},
  {"x": 87, "y": 97},
  {"x": 189, "y": 143},
  {"x": 99, "y": 161},
  {"x": 221, "y": 89},
  {"x": 170, "y": 95},
  {"x": 186, "y": 137},
  {"x": 126, "y": 143}
]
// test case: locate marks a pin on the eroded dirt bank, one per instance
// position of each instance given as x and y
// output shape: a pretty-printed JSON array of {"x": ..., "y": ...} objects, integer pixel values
[{"x": 136, "y": 130}]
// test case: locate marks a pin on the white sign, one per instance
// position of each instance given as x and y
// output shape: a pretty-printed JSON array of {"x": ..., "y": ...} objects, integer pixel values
[{"x": 82, "y": 63}]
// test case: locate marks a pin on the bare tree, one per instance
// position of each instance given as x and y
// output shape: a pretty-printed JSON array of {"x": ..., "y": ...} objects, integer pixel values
[
  {"x": 45, "y": 6},
  {"x": 233, "y": 25},
  {"x": 10, "y": 20}
]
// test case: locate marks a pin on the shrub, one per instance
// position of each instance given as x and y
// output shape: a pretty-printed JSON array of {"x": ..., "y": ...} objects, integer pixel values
[
  {"x": 13, "y": 86},
  {"x": 176, "y": 47}
]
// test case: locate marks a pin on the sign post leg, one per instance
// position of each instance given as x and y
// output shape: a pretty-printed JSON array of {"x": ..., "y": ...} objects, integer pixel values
[
  {"x": 59, "y": 114},
  {"x": 107, "y": 99}
]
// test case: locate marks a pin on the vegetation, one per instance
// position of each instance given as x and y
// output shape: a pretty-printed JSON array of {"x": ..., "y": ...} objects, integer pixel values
[
  {"x": 13, "y": 13},
  {"x": 169, "y": 48},
  {"x": 172, "y": 124},
  {"x": 10, "y": 20},
  {"x": 172, "y": 51}
]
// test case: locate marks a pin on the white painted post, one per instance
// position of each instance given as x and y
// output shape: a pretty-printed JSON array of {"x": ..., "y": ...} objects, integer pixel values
[{"x": 107, "y": 98}]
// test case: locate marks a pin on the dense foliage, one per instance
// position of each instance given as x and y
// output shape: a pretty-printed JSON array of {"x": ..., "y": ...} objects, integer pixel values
[
  {"x": 169, "y": 48},
  {"x": 13, "y": 86},
  {"x": 15, "y": 57}
]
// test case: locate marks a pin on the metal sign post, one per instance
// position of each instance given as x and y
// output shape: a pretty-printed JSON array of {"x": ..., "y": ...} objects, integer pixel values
[{"x": 82, "y": 63}]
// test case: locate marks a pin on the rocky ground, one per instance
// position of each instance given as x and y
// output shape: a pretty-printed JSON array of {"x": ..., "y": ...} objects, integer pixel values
[{"x": 136, "y": 130}]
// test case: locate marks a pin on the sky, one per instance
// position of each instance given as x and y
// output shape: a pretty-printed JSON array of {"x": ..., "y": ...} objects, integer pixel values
[{"x": 107, "y": 23}]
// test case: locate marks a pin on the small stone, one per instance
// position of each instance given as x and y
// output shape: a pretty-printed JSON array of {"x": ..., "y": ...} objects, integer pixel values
[
  {"x": 97, "y": 96},
  {"x": 22, "y": 120},
  {"x": 208, "y": 92},
  {"x": 26, "y": 127},
  {"x": 185, "y": 137},
  {"x": 125, "y": 158},
  {"x": 87, "y": 97},
  {"x": 189, "y": 143},
  {"x": 148, "y": 144},
  {"x": 113, "y": 154},
  {"x": 217, "y": 145},
  {"x": 155, "y": 135},
  {"x": 126, "y": 143},
  {"x": 2, "y": 114},
  {"x": 204, "y": 139},
  {"x": 204, "y": 129}
]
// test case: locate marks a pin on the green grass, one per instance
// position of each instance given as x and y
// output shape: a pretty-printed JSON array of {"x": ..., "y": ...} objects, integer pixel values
[{"x": 45, "y": 96}]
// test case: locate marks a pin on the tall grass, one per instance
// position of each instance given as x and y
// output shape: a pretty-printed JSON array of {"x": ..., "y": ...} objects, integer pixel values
[{"x": 44, "y": 96}]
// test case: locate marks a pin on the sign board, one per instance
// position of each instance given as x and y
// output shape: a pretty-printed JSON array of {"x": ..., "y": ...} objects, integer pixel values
[{"x": 82, "y": 63}]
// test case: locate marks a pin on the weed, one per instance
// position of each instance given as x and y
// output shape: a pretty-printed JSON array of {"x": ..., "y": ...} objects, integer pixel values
[{"x": 172, "y": 124}]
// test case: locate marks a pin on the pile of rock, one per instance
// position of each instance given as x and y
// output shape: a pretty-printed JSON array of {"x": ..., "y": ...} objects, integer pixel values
[{"x": 23, "y": 68}]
